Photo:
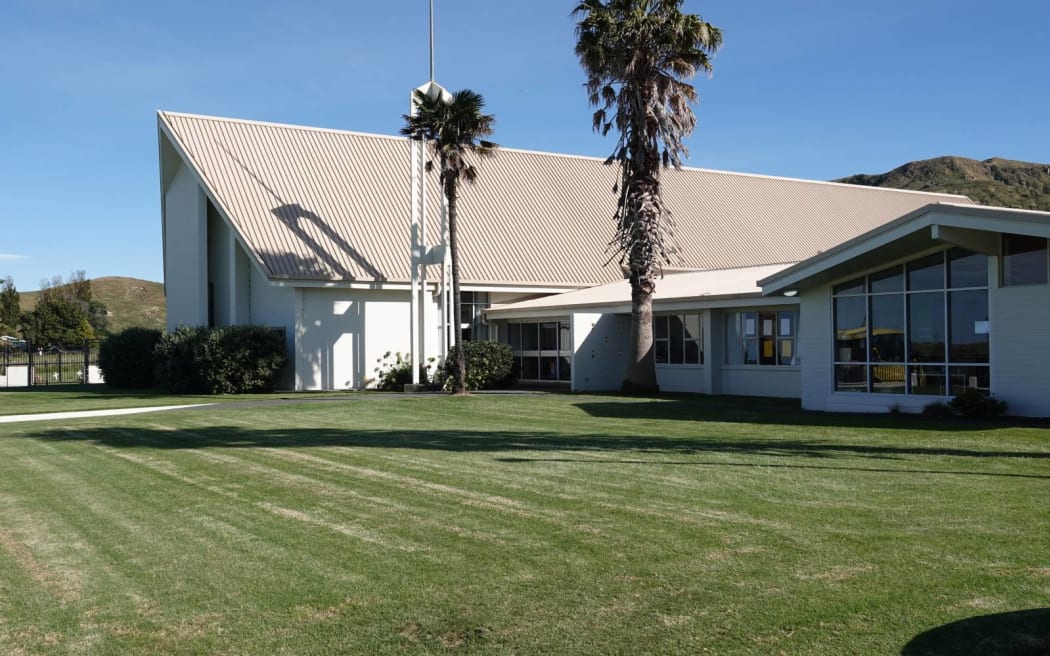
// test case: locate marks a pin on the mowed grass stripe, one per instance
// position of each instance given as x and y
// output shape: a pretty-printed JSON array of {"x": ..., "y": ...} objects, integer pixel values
[
  {"x": 215, "y": 587},
  {"x": 642, "y": 534}
]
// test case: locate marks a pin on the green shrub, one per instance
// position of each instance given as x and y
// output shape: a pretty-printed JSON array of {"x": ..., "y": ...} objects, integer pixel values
[
  {"x": 178, "y": 359},
  {"x": 975, "y": 404},
  {"x": 230, "y": 360},
  {"x": 938, "y": 410},
  {"x": 490, "y": 365},
  {"x": 394, "y": 374},
  {"x": 126, "y": 359},
  {"x": 243, "y": 359}
]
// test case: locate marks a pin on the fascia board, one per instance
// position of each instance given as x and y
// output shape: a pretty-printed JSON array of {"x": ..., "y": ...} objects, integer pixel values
[
  {"x": 738, "y": 301},
  {"x": 559, "y": 313},
  {"x": 163, "y": 208},
  {"x": 755, "y": 299},
  {"x": 969, "y": 217},
  {"x": 559, "y": 310}
]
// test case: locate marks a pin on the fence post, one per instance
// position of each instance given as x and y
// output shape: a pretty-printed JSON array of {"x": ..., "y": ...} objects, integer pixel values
[
  {"x": 32, "y": 363},
  {"x": 87, "y": 360}
]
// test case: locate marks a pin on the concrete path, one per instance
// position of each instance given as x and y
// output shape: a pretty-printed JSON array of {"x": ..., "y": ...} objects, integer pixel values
[{"x": 44, "y": 416}]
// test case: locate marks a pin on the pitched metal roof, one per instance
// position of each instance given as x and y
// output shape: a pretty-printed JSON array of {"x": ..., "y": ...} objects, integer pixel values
[{"x": 328, "y": 205}]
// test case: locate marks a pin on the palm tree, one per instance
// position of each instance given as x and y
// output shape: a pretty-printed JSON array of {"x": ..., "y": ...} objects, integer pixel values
[
  {"x": 453, "y": 127},
  {"x": 637, "y": 55}
]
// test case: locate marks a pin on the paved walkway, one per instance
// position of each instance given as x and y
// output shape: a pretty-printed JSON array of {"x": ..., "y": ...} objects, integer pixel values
[{"x": 80, "y": 414}]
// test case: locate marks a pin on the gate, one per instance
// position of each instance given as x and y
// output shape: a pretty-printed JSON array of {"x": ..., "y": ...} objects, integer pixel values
[{"x": 24, "y": 365}]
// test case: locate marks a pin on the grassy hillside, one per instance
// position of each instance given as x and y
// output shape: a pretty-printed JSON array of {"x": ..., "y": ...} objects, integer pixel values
[
  {"x": 996, "y": 181},
  {"x": 130, "y": 301}
]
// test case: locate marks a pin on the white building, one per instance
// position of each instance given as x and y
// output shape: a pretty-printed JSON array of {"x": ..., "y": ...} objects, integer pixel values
[{"x": 851, "y": 298}]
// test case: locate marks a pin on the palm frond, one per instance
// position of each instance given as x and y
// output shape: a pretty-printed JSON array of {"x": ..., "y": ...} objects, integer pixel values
[{"x": 638, "y": 56}]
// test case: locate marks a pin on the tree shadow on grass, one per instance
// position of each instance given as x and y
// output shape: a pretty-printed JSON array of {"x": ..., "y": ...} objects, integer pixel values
[
  {"x": 646, "y": 450},
  {"x": 1020, "y": 633},
  {"x": 787, "y": 412}
]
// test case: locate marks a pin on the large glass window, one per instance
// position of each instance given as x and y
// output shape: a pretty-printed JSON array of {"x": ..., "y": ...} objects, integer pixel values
[
  {"x": 676, "y": 339},
  {"x": 762, "y": 337},
  {"x": 543, "y": 350},
  {"x": 910, "y": 328}
]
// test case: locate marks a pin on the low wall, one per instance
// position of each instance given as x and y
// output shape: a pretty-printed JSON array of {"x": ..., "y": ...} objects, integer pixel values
[{"x": 15, "y": 376}]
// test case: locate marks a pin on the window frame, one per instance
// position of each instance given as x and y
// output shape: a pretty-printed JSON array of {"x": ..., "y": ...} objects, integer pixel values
[
  {"x": 560, "y": 356},
  {"x": 684, "y": 340},
  {"x": 766, "y": 341},
  {"x": 870, "y": 375}
]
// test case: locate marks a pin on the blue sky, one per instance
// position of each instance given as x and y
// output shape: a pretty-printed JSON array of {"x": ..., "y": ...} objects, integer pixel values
[{"x": 812, "y": 89}]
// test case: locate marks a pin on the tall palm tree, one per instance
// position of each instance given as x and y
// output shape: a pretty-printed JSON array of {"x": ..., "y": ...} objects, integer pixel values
[
  {"x": 453, "y": 127},
  {"x": 638, "y": 56}
]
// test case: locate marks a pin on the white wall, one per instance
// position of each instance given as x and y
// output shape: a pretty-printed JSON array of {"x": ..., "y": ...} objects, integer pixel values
[
  {"x": 343, "y": 334},
  {"x": 815, "y": 347},
  {"x": 1020, "y": 352},
  {"x": 185, "y": 263},
  {"x": 757, "y": 380},
  {"x": 15, "y": 376},
  {"x": 272, "y": 306},
  {"x": 242, "y": 277},
  {"x": 599, "y": 345},
  {"x": 220, "y": 268},
  {"x": 682, "y": 378}
]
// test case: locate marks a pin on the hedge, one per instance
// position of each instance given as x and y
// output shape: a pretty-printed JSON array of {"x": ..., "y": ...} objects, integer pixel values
[{"x": 228, "y": 360}]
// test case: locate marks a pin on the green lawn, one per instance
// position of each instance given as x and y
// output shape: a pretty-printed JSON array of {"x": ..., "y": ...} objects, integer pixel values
[{"x": 540, "y": 524}]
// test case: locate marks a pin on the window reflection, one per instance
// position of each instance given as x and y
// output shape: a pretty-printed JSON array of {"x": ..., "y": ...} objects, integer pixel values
[{"x": 931, "y": 338}]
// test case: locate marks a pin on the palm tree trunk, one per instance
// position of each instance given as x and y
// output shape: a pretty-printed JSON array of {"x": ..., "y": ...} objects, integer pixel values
[
  {"x": 459, "y": 366},
  {"x": 643, "y": 212},
  {"x": 640, "y": 375}
]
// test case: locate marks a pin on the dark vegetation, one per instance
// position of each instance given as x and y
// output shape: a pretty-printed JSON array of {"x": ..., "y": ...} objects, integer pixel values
[
  {"x": 995, "y": 181},
  {"x": 489, "y": 366},
  {"x": 395, "y": 371},
  {"x": 126, "y": 358},
  {"x": 230, "y": 360}
]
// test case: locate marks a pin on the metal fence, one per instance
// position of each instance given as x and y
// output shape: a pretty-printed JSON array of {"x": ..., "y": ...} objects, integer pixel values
[{"x": 26, "y": 366}]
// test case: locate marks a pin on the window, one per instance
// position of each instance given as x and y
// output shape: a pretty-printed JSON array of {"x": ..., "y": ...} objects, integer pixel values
[
  {"x": 474, "y": 303},
  {"x": 543, "y": 350},
  {"x": 676, "y": 339},
  {"x": 762, "y": 337},
  {"x": 1024, "y": 260},
  {"x": 916, "y": 328}
]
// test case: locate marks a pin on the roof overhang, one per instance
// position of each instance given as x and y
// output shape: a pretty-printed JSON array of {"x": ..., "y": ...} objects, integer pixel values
[
  {"x": 972, "y": 227},
  {"x": 674, "y": 292}
]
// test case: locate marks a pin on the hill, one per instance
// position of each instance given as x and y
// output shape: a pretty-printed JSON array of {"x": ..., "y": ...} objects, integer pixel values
[
  {"x": 996, "y": 181},
  {"x": 130, "y": 301}
]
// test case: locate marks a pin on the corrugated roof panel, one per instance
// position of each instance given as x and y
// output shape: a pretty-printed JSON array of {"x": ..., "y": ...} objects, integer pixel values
[{"x": 331, "y": 205}]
